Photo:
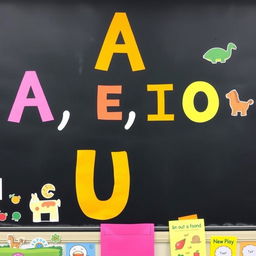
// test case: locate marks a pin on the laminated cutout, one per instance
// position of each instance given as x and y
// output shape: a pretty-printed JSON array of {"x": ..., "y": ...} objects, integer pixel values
[
  {"x": 3, "y": 216},
  {"x": 16, "y": 216},
  {"x": 247, "y": 248},
  {"x": 223, "y": 245},
  {"x": 187, "y": 237},
  {"x": 127, "y": 239},
  {"x": 217, "y": 54},
  {"x": 237, "y": 105},
  {"x": 14, "y": 198}
]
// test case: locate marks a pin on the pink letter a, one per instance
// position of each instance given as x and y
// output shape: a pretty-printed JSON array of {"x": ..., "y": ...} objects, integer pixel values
[{"x": 30, "y": 80}]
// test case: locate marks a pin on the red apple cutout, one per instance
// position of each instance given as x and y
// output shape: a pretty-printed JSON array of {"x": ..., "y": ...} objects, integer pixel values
[{"x": 3, "y": 216}]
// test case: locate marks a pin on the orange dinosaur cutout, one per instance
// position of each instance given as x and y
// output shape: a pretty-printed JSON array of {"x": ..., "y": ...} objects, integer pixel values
[
  {"x": 236, "y": 105},
  {"x": 13, "y": 243}
]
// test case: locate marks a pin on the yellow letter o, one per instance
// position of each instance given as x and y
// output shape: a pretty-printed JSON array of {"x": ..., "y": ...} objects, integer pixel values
[{"x": 188, "y": 102}]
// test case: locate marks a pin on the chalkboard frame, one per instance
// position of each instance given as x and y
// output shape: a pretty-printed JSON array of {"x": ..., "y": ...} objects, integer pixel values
[
  {"x": 91, "y": 227},
  {"x": 97, "y": 228}
]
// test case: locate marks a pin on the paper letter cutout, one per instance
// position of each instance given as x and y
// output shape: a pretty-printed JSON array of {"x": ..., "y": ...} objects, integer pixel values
[
  {"x": 187, "y": 237},
  {"x": 188, "y": 102},
  {"x": 119, "y": 25},
  {"x": 103, "y": 102},
  {"x": 30, "y": 81},
  {"x": 127, "y": 239},
  {"x": 160, "y": 89},
  {"x": 90, "y": 205}
]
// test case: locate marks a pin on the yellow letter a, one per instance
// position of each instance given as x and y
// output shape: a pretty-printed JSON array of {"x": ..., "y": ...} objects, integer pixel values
[
  {"x": 90, "y": 205},
  {"x": 119, "y": 24}
]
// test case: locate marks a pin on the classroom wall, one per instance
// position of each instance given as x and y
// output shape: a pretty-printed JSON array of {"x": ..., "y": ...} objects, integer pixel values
[{"x": 161, "y": 238}]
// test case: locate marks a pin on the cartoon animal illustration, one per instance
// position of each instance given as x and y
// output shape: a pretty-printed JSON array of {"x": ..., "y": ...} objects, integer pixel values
[
  {"x": 221, "y": 55},
  {"x": 78, "y": 250},
  {"x": 14, "y": 244},
  {"x": 237, "y": 105},
  {"x": 223, "y": 251},
  {"x": 249, "y": 250},
  {"x": 44, "y": 206}
]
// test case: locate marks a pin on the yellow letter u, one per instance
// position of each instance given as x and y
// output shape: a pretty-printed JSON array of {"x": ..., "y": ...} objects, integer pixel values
[{"x": 90, "y": 205}]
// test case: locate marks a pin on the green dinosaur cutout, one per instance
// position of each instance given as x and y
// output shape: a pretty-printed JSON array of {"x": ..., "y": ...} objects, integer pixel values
[{"x": 216, "y": 54}]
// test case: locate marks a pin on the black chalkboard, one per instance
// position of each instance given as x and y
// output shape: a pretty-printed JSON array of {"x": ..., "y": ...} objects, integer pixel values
[{"x": 176, "y": 167}]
